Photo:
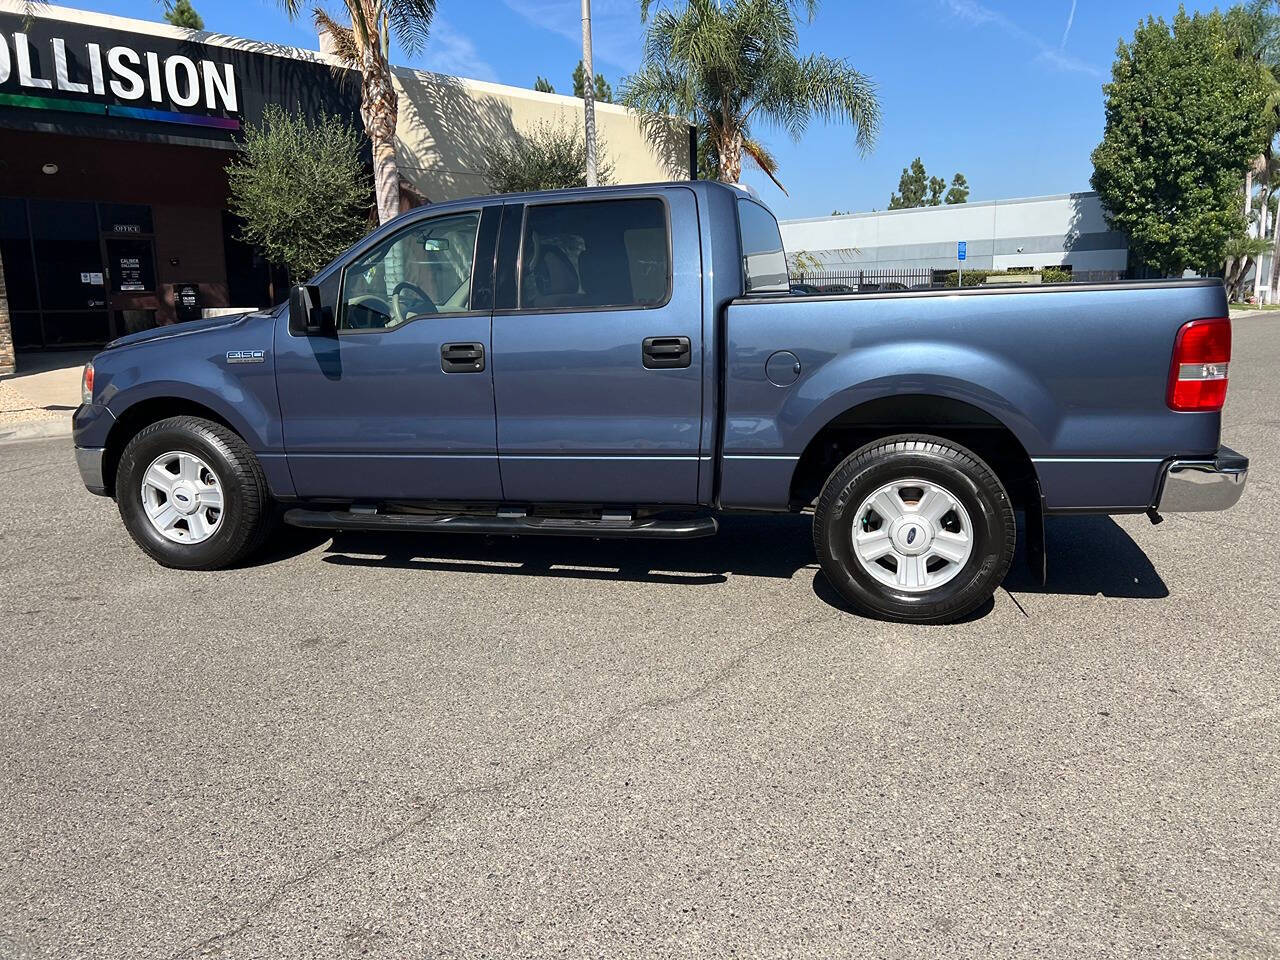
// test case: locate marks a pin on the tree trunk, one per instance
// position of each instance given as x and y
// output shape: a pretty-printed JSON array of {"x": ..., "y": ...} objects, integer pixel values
[
  {"x": 379, "y": 108},
  {"x": 730, "y": 148}
]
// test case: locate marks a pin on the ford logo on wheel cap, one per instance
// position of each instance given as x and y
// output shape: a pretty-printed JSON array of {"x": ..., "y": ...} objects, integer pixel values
[{"x": 911, "y": 536}]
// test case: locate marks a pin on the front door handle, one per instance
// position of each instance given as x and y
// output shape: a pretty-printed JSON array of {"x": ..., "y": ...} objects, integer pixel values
[
  {"x": 663, "y": 353},
  {"x": 462, "y": 357}
]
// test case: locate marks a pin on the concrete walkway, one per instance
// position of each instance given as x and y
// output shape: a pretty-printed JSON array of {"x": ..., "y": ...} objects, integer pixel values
[{"x": 39, "y": 399}]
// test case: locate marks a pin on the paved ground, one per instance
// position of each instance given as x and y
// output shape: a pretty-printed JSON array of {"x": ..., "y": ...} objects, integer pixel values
[{"x": 458, "y": 748}]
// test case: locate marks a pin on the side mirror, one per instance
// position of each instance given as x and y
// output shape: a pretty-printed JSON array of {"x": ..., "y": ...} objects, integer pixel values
[{"x": 307, "y": 316}]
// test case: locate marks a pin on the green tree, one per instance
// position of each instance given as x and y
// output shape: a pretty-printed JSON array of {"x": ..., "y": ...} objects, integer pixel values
[
  {"x": 183, "y": 14},
  {"x": 917, "y": 189},
  {"x": 959, "y": 192},
  {"x": 301, "y": 188},
  {"x": 913, "y": 186},
  {"x": 1183, "y": 124},
  {"x": 547, "y": 157},
  {"x": 543, "y": 85},
  {"x": 363, "y": 43},
  {"x": 603, "y": 92},
  {"x": 725, "y": 64}
]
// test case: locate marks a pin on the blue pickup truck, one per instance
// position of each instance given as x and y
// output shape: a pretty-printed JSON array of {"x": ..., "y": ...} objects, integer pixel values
[{"x": 631, "y": 362}]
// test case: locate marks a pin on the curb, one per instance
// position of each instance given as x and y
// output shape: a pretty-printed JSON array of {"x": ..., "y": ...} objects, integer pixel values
[{"x": 36, "y": 430}]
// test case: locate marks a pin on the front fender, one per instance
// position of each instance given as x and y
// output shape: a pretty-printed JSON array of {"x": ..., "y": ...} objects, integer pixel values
[{"x": 195, "y": 369}]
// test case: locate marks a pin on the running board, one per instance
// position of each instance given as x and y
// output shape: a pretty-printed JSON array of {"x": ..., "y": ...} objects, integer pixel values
[{"x": 686, "y": 529}]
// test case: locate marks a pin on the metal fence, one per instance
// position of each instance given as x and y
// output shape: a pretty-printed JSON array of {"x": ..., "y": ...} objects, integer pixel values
[
  {"x": 917, "y": 278},
  {"x": 869, "y": 279}
]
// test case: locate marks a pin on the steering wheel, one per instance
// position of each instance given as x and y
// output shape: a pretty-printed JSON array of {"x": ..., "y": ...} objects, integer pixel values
[
  {"x": 364, "y": 310},
  {"x": 400, "y": 310}
]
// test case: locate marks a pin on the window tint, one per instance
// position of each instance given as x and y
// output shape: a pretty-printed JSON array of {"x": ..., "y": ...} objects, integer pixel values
[
  {"x": 423, "y": 270},
  {"x": 764, "y": 263},
  {"x": 606, "y": 253}
]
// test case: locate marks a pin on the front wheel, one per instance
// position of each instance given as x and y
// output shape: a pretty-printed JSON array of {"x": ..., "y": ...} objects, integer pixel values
[
  {"x": 192, "y": 494},
  {"x": 914, "y": 529}
]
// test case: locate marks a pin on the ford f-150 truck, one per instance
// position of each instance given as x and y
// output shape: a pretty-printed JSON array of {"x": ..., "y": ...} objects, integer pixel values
[{"x": 631, "y": 362}]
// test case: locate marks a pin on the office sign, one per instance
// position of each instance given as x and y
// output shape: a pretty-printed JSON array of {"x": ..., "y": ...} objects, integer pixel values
[{"x": 81, "y": 78}]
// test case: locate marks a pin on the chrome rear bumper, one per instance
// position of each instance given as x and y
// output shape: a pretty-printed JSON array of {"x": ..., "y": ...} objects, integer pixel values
[{"x": 1207, "y": 483}]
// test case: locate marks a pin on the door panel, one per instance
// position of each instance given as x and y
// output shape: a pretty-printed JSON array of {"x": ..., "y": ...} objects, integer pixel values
[
  {"x": 581, "y": 416},
  {"x": 371, "y": 413}
]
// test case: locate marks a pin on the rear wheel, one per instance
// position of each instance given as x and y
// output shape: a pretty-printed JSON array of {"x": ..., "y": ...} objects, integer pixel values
[
  {"x": 914, "y": 529},
  {"x": 192, "y": 494}
]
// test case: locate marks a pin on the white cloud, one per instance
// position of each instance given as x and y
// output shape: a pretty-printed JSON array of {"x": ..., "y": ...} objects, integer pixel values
[
  {"x": 452, "y": 53},
  {"x": 978, "y": 14},
  {"x": 1071, "y": 18}
]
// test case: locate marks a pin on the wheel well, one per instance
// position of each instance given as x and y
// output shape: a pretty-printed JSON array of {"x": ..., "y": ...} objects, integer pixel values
[
  {"x": 953, "y": 420},
  {"x": 141, "y": 415}
]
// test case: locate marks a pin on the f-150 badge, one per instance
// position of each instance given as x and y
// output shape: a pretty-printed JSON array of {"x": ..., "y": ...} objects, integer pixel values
[{"x": 246, "y": 356}]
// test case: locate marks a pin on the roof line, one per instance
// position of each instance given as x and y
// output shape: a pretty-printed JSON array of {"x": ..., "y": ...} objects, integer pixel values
[{"x": 1081, "y": 194}]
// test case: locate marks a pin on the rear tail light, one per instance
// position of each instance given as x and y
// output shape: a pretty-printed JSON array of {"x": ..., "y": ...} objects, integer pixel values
[
  {"x": 86, "y": 384},
  {"x": 1198, "y": 374}
]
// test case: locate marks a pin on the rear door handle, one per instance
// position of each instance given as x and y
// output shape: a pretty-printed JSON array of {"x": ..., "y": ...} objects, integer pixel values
[
  {"x": 462, "y": 357},
  {"x": 663, "y": 353}
]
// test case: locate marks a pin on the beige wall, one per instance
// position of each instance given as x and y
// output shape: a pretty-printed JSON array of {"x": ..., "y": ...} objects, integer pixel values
[{"x": 446, "y": 123}]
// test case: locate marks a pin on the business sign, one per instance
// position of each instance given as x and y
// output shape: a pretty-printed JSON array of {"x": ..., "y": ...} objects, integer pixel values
[{"x": 75, "y": 77}]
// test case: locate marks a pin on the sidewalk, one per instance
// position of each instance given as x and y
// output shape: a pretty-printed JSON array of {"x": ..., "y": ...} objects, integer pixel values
[{"x": 39, "y": 399}]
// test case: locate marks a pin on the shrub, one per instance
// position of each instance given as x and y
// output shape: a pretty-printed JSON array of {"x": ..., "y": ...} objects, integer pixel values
[
  {"x": 301, "y": 189},
  {"x": 548, "y": 157},
  {"x": 975, "y": 278}
]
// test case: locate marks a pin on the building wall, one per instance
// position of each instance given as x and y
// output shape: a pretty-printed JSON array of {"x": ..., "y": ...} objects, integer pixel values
[
  {"x": 1033, "y": 231},
  {"x": 446, "y": 124}
]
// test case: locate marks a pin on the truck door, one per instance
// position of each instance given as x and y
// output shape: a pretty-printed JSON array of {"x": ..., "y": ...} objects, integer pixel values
[
  {"x": 597, "y": 345},
  {"x": 398, "y": 404}
]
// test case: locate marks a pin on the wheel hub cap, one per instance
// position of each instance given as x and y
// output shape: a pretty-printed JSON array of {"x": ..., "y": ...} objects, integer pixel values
[
  {"x": 912, "y": 535},
  {"x": 182, "y": 497}
]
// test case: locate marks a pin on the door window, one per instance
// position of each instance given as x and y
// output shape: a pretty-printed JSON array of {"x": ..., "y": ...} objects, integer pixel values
[
  {"x": 421, "y": 271},
  {"x": 604, "y": 253}
]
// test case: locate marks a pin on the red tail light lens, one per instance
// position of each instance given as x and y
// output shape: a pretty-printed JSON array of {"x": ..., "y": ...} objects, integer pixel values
[
  {"x": 86, "y": 384},
  {"x": 1198, "y": 375}
]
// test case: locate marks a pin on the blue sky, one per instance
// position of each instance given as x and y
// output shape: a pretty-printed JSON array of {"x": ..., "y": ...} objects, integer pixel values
[{"x": 1007, "y": 92}]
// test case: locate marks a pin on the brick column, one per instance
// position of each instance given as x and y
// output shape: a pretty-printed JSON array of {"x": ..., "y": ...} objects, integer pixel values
[{"x": 7, "y": 360}]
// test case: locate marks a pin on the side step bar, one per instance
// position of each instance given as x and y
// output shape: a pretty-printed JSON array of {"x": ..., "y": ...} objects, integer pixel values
[{"x": 684, "y": 529}]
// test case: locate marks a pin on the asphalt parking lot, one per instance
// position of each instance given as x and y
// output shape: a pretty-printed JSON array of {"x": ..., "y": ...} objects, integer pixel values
[{"x": 456, "y": 747}]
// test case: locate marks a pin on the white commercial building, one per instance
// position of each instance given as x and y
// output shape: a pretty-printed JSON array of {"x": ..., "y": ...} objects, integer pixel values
[{"x": 1066, "y": 230}]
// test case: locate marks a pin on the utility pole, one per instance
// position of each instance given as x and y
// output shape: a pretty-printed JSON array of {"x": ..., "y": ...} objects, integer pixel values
[{"x": 589, "y": 93}]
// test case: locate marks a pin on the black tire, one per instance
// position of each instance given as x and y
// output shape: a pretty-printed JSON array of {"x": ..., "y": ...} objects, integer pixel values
[
  {"x": 247, "y": 509},
  {"x": 970, "y": 481}
]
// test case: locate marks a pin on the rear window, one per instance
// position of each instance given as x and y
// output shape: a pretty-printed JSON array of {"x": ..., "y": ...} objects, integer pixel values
[
  {"x": 764, "y": 263},
  {"x": 602, "y": 253}
]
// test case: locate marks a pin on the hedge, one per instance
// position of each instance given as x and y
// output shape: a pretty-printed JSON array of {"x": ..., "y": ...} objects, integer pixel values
[{"x": 974, "y": 278}]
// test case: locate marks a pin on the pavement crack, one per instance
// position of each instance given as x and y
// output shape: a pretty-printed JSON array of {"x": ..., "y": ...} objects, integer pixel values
[{"x": 575, "y": 747}]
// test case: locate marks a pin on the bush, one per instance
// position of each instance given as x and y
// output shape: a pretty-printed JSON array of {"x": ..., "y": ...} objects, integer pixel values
[
  {"x": 301, "y": 189},
  {"x": 975, "y": 278},
  {"x": 548, "y": 157}
]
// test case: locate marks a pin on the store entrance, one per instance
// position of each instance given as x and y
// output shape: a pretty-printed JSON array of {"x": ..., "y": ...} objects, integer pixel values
[{"x": 129, "y": 253}]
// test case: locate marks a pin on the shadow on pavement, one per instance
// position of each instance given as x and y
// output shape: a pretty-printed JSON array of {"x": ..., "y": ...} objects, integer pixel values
[{"x": 1087, "y": 556}]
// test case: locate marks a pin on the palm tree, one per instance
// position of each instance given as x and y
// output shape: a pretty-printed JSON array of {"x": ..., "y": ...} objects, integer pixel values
[
  {"x": 365, "y": 46},
  {"x": 725, "y": 64}
]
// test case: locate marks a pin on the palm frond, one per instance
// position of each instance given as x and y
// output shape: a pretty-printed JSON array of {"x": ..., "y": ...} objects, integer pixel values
[
  {"x": 342, "y": 38},
  {"x": 410, "y": 20},
  {"x": 763, "y": 159}
]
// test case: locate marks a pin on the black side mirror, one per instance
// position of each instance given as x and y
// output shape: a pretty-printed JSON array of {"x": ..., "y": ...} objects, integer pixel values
[{"x": 307, "y": 315}]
